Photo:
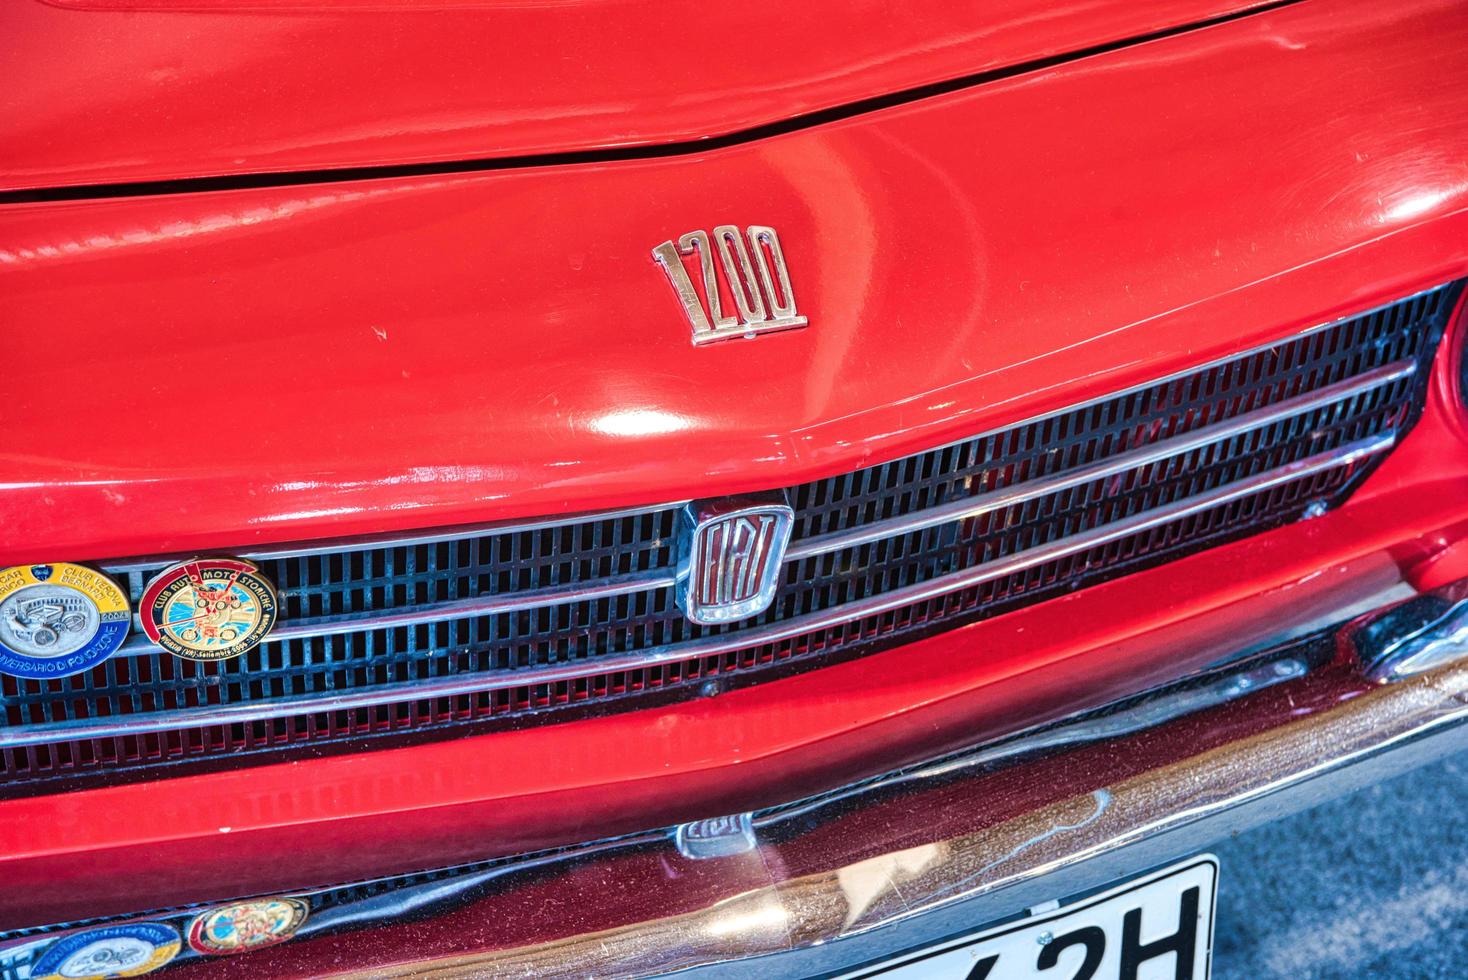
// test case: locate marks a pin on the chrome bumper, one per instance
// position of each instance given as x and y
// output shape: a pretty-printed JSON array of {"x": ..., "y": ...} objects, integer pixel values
[{"x": 919, "y": 855}]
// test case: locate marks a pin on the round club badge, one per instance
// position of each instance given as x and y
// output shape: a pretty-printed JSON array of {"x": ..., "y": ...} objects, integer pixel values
[
  {"x": 246, "y": 925},
  {"x": 208, "y": 609},
  {"x": 129, "y": 950},
  {"x": 58, "y": 620}
]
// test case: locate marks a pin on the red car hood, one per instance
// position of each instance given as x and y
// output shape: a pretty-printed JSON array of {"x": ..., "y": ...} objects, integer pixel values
[
  {"x": 207, "y": 370},
  {"x": 109, "y": 91}
]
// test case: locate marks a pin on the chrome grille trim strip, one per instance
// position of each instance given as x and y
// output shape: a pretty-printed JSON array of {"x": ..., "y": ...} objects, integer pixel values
[
  {"x": 484, "y": 605},
  {"x": 458, "y": 532},
  {"x": 1032, "y": 489},
  {"x": 204, "y": 716},
  {"x": 865, "y": 534}
]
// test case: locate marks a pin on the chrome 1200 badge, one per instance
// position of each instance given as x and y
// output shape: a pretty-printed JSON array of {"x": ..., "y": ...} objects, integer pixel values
[
  {"x": 57, "y": 620},
  {"x": 761, "y": 288},
  {"x": 244, "y": 926},
  {"x": 208, "y": 608},
  {"x": 130, "y": 950}
]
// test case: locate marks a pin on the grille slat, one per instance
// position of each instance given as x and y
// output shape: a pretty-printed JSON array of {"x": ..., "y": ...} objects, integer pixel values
[{"x": 980, "y": 527}]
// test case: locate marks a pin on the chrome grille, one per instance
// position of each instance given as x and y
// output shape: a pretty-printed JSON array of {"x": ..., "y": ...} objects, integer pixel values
[{"x": 501, "y": 623}]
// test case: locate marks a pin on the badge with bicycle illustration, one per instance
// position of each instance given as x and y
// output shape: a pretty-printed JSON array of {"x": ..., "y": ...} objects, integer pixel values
[{"x": 208, "y": 608}]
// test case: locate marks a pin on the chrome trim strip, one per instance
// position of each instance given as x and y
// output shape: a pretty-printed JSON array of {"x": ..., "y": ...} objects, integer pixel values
[
  {"x": 1029, "y": 490},
  {"x": 453, "y": 686},
  {"x": 1417, "y": 636},
  {"x": 484, "y": 605},
  {"x": 343, "y": 545}
]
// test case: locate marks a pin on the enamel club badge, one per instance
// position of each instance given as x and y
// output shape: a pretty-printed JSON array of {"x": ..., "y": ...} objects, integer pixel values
[
  {"x": 208, "y": 609},
  {"x": 57, "y": 620},
  {"x": 130, "y": 950},
  {"x": 243, "y": 926}
]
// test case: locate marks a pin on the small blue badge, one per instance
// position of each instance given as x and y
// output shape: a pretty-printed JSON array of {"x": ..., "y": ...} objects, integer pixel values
[
  {"x": 41, "y": 572},
  {"x": 129, "y": 950}
]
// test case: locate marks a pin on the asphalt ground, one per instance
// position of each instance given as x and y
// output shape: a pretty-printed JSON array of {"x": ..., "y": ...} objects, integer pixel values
[{"x": 1371, "y": 885}]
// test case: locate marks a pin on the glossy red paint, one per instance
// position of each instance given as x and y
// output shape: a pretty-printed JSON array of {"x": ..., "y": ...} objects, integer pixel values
[
  {"x": 396, "y": 354},
  {"x": 415, "y": 351},
  {"x": 100, "y": 91}
]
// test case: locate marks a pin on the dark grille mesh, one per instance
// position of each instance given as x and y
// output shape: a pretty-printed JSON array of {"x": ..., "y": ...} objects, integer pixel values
[{"x": 388, "y": 577}]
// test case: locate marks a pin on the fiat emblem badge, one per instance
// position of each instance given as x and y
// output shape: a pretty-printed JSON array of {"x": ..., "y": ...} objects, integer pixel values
[{"x": 730, "y": 551}]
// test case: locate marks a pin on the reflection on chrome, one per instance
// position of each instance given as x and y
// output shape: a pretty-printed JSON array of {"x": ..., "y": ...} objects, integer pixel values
[
  {"x": 1418, "y": 636},
  {"x": 866, "y": 882},
  {"x": 767, "y": 917}
]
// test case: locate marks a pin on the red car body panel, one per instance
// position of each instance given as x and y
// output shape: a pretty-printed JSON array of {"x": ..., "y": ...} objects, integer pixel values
[
  {"x": 229, "y": 368},
  {"x": 268, "y": 364},
  {"x": 104, "y": 91}
]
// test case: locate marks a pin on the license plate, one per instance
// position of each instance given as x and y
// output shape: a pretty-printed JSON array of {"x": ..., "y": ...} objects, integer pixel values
[{"x": 1155, "y": 927}]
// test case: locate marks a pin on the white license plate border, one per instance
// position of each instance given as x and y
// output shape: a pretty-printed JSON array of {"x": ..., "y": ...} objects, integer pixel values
[{"x": 1087, "y": 900}]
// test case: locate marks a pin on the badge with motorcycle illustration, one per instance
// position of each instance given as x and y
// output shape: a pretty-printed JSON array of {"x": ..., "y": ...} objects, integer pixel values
[
  {"x": 208, "y": 608},
  {"x": 57, "y": 620}
]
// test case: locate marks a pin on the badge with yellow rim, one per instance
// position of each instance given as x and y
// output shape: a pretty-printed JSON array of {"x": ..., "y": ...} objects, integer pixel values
[
  {"x": 243, "y": 926},
  {"x": 208, "y": 608},
  {"x": 129, "y": 950},
  {"x": 59, "y": 619}
]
